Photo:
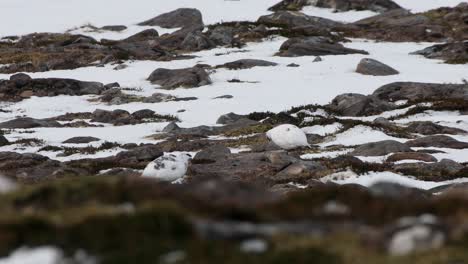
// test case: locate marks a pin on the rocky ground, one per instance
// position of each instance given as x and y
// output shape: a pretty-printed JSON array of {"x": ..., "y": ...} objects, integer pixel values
[{"x": 379, "y": 89}]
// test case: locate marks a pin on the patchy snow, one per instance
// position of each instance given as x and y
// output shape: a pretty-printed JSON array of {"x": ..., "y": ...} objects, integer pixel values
[
  {"x": 349, "y": 16},
  {"x": 418, "y": 6},
  {"x": 326, "y": 154},
  {"x": 359, "y": 135},
  {"x": 349, "y": 177},
  {"x": 41, "y": 255},
  {"x": 113, "y": 35}
]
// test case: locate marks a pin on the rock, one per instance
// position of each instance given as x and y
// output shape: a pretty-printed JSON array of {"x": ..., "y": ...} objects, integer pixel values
[
  {"x": 121, "y": 172},
  {"x": 300, "y": 172},
  {"x": 80, "y": 140},
  {"x": 382, "y": 121},
  {"x": 246, "y": 64},
  {"x": 28, "y": 167},
  {"x": 196, "y": 41},
  {"x": 421, "y": 91},
  {"x": 375, "y": 68},
  {"x": 117, "y": 28},
  {"x": 442, "y": 170},
  {"x": 159, "y": 98},
  {"x": 143, "y": 114},
  {"x": 415, "y": 234},
  {"x": 397, "y": 191},
  {"x": 186, "y": 78},
  {"x": 20, "y": 79},
  {"x": 21, "y": 86},
  {"x": 314, "y": 46},
  {"x": 317, "y": 59},
  {"x": 291, "y": 19},
  {"x": 438, "y": 141},
  {"x": 380, "y": 148},
  {"x": 294, "y": 65},
  {"x": 211, "y": 154},
  {"x": 147, "y": 34},
  {"x": 338, "y": 5},
  {"x": 455, "y": 188},
  {"x": 103, "y": 116},
  {"x": 27, "y": 122},
  {"x": 453, "y": 53},
  {"x": 120, "y": 67},
  {"x": 411, "y": 156},
  {"x": 3, "y": 141},
  {"x": 229, "y": 118},
  {"x": 179, "y": 18},
  {"x": 226, "y": 96},
  {"x": 429, "y": 128},
  {"x": 359, "y": 105},
  {"x": 222, "y": 35}
]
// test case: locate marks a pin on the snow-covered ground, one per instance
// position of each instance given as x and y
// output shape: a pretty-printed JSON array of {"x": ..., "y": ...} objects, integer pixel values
[{"x": 265, "y": 88}]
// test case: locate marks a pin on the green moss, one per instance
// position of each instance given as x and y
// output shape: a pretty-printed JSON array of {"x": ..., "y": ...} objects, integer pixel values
[{"x": 249, "y": 130}]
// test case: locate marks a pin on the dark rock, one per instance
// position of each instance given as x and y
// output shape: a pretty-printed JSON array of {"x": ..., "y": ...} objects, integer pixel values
[
  {"x": 453, "y": 53},
  {"x": 211, "y": 154},
  {"x": 196, "y": 41},
  {"x": 3, "y": 141},
  {"x": 411, "y": 156},
  {"x": 144, "y": 35},
  {"x": 380, "y": 148},
  {"x": 293, "y": 65},
  {"x": 227, "y": 96},
  {"x": 246, "y": 64},
  {"x": 186, "y": 78},
  {"x": 21, "y": 86},
  {"x": 375, "y": 68},
  {"x": 429, "y": 128},
  {"x": 397, "y": 191},
  {"x": 114, "y": 28},
  {"x": 454, "y": 188},
  {"x": 300, "y": 172},
  {"x": 222, "y": 35},
  {"x": 28, "y": 167},
  {"x": 142, "y": 114},
  {"x": 438, "y": 141},
  {"x": 314, "y": 46},
  {"x": 289, "y": 5},
  {"x": 359, "y": 105},
  {"x": 339, "y": 5},
  {"x": 179, "y": 18},
  {"x": 296, "y": 19},
  {"x": 421, "y": 91},
  {"x": 317, "y": 59},
  {"x": 103, "y": 116},
  {"x": 27, "y": 122},
  {"x": 159, "y": 98},
  {"x": 229, "y": 118},
  {"x": 442, "y": 170},
  {"x": 80, "y": 140}
]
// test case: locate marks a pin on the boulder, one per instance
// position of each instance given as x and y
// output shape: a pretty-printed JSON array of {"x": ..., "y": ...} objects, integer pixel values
[
  {"x": 411, "y": 156},
  {"x": 185, "y": 78},
  {"x": 413, "y": 91},
  {"x": 453, "y": 53},
  {"x": 380, "y": 148},
  {"x": 179, "y": 18},
  {"x": 437, "y": 171},
  {"x": 429, "y": 128},
  {"x": 375, "y": 68},
  {"x": 438, "y": 141},
  {"x": 211, "y": 154},
  {"x": 359, "y": 105},
  {"x": 80, "y": 140},
  {"x": 27, "y": 122},
  {"x": 246, "y": 64},
  {"x": 314, "y": 46}
]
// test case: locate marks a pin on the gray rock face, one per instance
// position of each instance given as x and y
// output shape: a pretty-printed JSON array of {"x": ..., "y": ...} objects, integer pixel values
[
  {"x": 314, "y": 46},
  {"x": 247, "y": 64},
  {"x": 443, "y": 170},
  {"x": 144, "y": 35},
  {"x": 80, "y": 140},
  {"x": 27, "y": 122},
  {"x": 229, "y": 118},
  {"x": 375, "y": 68},
  {"x": 22, "y": 86},
  {"x": 3, "y": 141},
  {"x": 158, "y": 98},
  {"x": 300, "y": 171},
  {"x": 421, "y": 91},
  {"x": 114, "y": 28},
  {"x": 411, "y": 156},
  {"x": 211, "y": 154},
  {"x": 438, "y": 141},
  {"x": 222, "y": 35},
  {"x": 429, "y": 128},
  {"x": 179, "y": 18},
  {"x": 359, "y": 105},
  {"x": 455, "y": 52},
  {"x": 186, "y": 78},
  {"x": 380, "y": 148},
  {"x": 346, "y": 5},
  {"x": 196, "y": 41},
  {"x": 397, "y": 191},
  {"x": 297, "y": 19}
]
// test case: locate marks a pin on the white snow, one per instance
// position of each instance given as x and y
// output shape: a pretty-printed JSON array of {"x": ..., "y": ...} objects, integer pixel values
[
  {"x": 349, "y": 177},
  {"x": 41, "y": 255},
  {"x": 359, "y": 135},
  {"x": 322, "y": 130}
]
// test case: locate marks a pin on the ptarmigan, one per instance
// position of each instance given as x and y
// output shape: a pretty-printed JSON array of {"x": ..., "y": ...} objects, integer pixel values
[
  {"x": 169, "y": 167},
  {"x": 288, "y": 137}
]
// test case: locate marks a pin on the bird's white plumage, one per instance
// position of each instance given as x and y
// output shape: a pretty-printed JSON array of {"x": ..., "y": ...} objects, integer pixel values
[
  {"x": 288, "y": 137},
  {"x": 169, "y": 167}
]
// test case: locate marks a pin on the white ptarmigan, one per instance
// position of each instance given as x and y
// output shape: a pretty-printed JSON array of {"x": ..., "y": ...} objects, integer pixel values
[
  {"x": 169, "y": 167},
  {"x": 288, "y": 137}
]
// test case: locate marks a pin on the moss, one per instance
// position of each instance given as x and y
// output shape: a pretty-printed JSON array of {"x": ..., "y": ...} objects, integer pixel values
[{"x": 67, "y": 151}]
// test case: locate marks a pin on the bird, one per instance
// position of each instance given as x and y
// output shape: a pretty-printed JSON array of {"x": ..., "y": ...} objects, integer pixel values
[
  {"x": 169, "y": 167},
  {"x": 288, "y": 137}
]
